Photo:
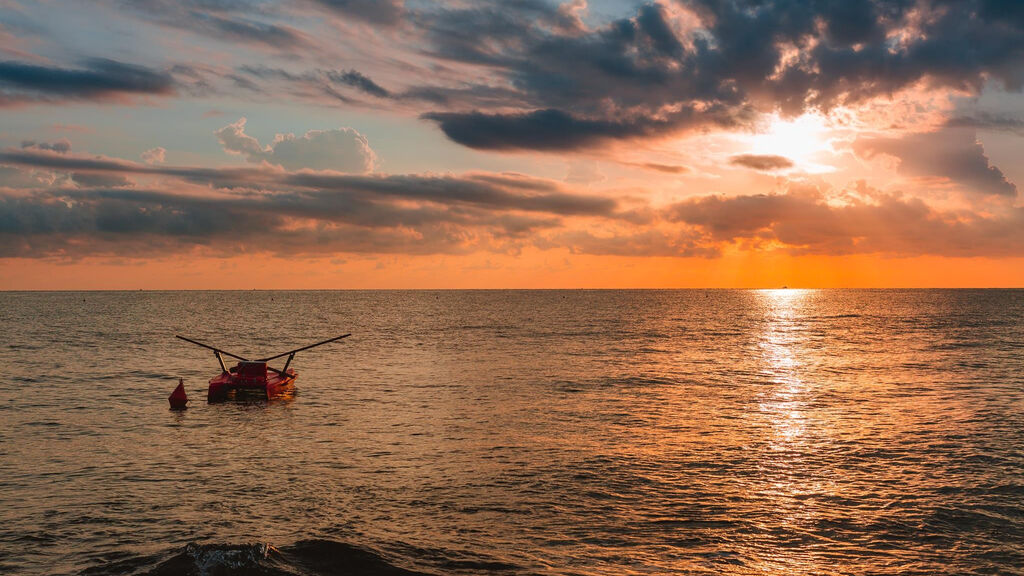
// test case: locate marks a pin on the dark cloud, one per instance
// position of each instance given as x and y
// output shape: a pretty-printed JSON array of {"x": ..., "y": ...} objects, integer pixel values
[
  {"x": 762, "y": 162},
  {"x": 145, "y": 223},
  {"x": 988, "y": 121},
  {"x": 538, "y": 130},
  {"x": 311, "y": 83},
  {"x": 97, "y": 79},
  {"x": 953, "y": 153},
  {"x": 248, "y": 208},
  {"x": 62, "y": 146},
  {"x": 243, "y": 30},
  {"x": 94, "y": 180},
  {"x": 232, "y": 210},
  {"x": 787, "y": 55},
  {"x": 358, "y": 81},
  {"x": 380, "y": 12},
  {"x": 235, "y": 21},
  {"x": 263, "y": 209},
  {"x": 626, "y": 80},
  {"x": 557, "y": 130}
]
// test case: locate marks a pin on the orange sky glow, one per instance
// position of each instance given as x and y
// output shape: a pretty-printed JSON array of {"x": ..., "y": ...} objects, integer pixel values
[{"x": 654, "y": 148}]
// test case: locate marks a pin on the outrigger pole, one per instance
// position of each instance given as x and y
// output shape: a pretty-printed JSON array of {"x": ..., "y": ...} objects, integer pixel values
[
  {"x": 216, "y": 352},
  {"x": 290, "y": 354}
]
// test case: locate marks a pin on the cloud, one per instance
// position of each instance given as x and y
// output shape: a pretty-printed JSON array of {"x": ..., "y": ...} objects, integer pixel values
[
  {"x": 358, "y": 80},
  {"x": 710, "y": 57},
  {"x": 312, "y": 85},
  {"x": 62, "y": 146},
  {"x": 226, "y": 210},
  {"x": 98, "y": 80},
  {"x": 647, "y": 243},
  {"x": 154, "y": 155},
  {"x": 988, "y": 121},
  {"x": 804, "y": 221},
  {"x": 380, "y": 12},
  {"x": 951, "y": 153},
  {"x": 762, "y": 162},
  {"x": 237, "y": 22},
  {"x": 556, "y": 130},
  {"x": 341, "y": 150},
  {"x": 505, "y": 191},
  {"x": 72, "y": 205},
  {"x": 665, "y": 168},
  {"x": 96, "y": 180},
  {"x": 17, "y": 178},
  {"x": 244, "y": 30}
]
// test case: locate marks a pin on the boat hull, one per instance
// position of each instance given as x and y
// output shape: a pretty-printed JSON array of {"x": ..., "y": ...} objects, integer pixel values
[{"x": 233, "y": 385}]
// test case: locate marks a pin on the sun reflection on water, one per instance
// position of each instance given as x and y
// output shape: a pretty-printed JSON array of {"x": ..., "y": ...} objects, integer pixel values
[{"x": 788, "y": 441}]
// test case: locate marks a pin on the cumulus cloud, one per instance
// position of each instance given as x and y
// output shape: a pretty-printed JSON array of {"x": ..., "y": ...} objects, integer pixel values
[
  {"x": 341, "y": 150},
  {"x": 951, "y": 153},
  {"x": 15, "y": 178},
  {"x": 154, "y": 155},
  {"x": 762, "y": 162}
]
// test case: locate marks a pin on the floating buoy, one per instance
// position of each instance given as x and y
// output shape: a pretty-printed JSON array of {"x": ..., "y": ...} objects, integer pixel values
[{"x": 178, "y": 398}]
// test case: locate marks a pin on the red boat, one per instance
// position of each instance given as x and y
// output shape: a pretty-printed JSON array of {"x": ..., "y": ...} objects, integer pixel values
[{"x": 253, "y": 378}]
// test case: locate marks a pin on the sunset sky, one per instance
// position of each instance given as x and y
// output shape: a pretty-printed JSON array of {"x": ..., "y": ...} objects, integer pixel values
[{"x": 522, "y": 144}]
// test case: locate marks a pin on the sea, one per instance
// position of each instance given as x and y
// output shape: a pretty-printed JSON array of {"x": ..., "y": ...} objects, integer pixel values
[{"x": 725, "y": 432}]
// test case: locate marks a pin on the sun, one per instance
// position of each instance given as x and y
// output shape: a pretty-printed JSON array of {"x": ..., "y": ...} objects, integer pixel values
[{"x": 802, "y": 140}]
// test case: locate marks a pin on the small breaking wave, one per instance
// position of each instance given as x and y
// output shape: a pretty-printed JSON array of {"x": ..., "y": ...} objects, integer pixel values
[{"x": 304, "y": 558}]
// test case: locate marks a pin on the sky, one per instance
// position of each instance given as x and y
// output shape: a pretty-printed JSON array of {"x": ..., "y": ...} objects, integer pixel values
[{"x": 329, "y": 144}]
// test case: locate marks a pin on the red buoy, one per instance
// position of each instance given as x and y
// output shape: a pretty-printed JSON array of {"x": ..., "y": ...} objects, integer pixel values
[{"x": 178, "y": 398}]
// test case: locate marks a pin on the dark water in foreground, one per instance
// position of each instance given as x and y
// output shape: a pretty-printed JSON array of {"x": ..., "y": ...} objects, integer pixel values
[{"x": 609, "y": 432}]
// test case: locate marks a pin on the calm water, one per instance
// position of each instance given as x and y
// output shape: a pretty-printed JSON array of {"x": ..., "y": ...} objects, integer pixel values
[{"x": 607, "y": 432}]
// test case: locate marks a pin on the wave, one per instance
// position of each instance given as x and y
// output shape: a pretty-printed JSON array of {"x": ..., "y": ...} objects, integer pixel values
[{"x": 304, "y": 558}]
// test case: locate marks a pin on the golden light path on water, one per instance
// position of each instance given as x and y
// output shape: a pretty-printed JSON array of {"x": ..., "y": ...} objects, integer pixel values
[{"x": 784, "y": 404}]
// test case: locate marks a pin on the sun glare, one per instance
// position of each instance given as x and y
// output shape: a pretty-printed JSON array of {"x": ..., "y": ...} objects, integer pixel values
[{"x": 801, "y": 140}]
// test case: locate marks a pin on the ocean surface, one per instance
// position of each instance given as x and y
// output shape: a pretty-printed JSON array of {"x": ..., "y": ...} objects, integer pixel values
[{"x": 518, "y": 432}]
